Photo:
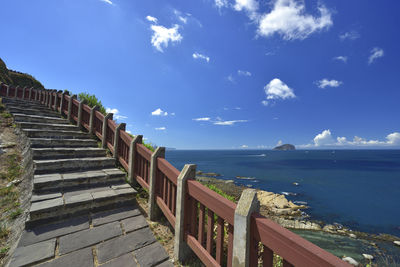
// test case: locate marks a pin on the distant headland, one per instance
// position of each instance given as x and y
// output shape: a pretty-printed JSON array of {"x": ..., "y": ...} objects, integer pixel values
[{"x": 285, "y": 147}]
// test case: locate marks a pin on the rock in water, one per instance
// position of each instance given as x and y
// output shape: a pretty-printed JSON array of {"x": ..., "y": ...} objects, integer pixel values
[
  {"x": 285, "y": 147},
  {"x": 350, "y": 260},
  {"x": 396, "y": 243},
  {"x": 368, "y": 257}
]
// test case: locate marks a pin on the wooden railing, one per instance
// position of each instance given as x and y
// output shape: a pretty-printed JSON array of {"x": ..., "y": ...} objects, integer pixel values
[{"x": 209, "y": 219}]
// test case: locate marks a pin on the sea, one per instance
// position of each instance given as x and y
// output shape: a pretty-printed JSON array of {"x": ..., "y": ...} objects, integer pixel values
[{"x": 359, "y": 189}]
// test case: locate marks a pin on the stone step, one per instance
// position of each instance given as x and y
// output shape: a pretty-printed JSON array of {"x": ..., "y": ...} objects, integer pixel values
[
  {"x": 76, "y": 164},
  {"x": 67, "y": 152},
  {"x": 32, "y": 111},
  {"x": 45, "y": 126},
  {"x": 31, "y": 105},
  {"x": 50, "y": 142},
  {"x": 60, "y": 206},
  {"x": 56, "y": 134},
  {"x": 59, "y": 182},
  {"x": 33, "y": 118}
]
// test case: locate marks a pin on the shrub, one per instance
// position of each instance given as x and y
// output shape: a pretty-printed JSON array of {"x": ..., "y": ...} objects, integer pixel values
[{"x": 91, "y": 101}]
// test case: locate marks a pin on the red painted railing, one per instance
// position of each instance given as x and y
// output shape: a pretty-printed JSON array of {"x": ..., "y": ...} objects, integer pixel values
[{"x": 208, "y": 217}]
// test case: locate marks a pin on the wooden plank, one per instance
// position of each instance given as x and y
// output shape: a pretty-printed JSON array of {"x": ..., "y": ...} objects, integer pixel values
[
  {"x": 217, "y": 203},
  {"x": 253, "y": 251},
  {"x": 165, "y": 181},
  {"x": 230, "y": 245},
  {"x": 86, "y": 108},
  {"x": 286, "y": 264},
  {"x": 168, "y": 214},
  {"x": 173, "y": 196},
  {"x": 143, "y": 151},
  {"x": 203, "y": 255},
  {"x": 267, "y": 257},
  {"x": 170, "y": 171},
  {"x": 99, "y": 116},
  {"x": 142, "y": 182},
  {"x": 125, "y": 137},
  {"x": 210, "y": 230},
  {"x": 202, "y": 213},
  {"x": 123, "y": 163},
  {"x": 193, "y": 216},
  {"x": 290, "y": 246},
  {"x": 220, "y": 240}
]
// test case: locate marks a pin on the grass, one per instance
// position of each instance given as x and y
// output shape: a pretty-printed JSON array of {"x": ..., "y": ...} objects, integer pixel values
[
  {"x": 3, "y": 251},
  {"x": 13, "y": 169},
  {"x": 220, "y": 192},
  {"x": 13, "y": 215}
]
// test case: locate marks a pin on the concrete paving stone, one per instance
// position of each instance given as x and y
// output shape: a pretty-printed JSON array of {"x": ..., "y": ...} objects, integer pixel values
[
  {"x": 88, "y": 237},
  {"x": 121, "y": 186},
  {"x": 30, "y": 254},
  {"x": 81, "y": 199},
  {"x": 74, "y": 176},
  {"x": 165, "y": 264},
  {"x": 81, "y": 257},
  {"x": 118, "y": 246},
  {"x": 134, "y": 223},
  {"x": 125, "y": 191},
  {"x": 95, "y": 174},
  {"x": 36, "y": 198},
  {"x": 46, "y": 205},
  {"x": 126, "y": 260},
  {"x": 103, "y": 217},
  {"x": 114, "y": 172},
  {"x": 54, "y": 177},
  {"x": 45, "y": 232},
  {"x": 103, "y": 195},
  {"x": 86, "y": 191},
  {"x": 151, "y": 255}
]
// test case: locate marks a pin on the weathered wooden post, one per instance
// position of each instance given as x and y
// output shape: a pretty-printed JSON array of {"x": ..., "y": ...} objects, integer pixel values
[
  {"x": 23, "y": 92},
  {"x": 50, "y": 102},
  {"x": 248, "y": 203},
  {"x": 154, "y": 210},
  {"x": 109, "y": 116},
  {"x": 30, "y": 93},
  {"x": 62, "y": 103},
  {"x": 120, "y": 127},
  {"x": 69, "y": 118},
  {"x": 80, "y": 110},
  {"x": 16, "y": 91},
  {"x": 8, "y": 90},
  {"x": 91, "y": 120},
  {"x": 181, "y": 248},
  {"x": 132, "y": 149}
]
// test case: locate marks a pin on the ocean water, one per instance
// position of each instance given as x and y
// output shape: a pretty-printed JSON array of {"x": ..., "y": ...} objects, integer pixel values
[{"x": 359, "y": 189}]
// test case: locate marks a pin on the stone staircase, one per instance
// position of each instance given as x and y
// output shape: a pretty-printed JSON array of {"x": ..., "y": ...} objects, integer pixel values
[{"x": 72, "y": 175}]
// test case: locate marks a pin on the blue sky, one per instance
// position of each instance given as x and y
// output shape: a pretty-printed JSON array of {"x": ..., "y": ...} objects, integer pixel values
[{"x": 221, "y": 73}]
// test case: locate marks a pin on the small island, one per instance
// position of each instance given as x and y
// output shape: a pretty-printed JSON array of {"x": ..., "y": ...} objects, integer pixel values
[{"x": 285, "y": 147}]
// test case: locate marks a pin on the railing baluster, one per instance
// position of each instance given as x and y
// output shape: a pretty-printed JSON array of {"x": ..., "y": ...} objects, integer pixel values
[
  {"x": 220, "y": 240},
  {"x": 230, "y": 245},
  {"x": 202, "y": 213},
  {"x": 267, "y": 257},
  {"x": 286, "y": 264},
  {"x": 210, "y": 230}
]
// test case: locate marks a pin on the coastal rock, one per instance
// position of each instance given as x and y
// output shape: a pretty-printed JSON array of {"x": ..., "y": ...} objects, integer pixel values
[
  {"x": 352, "y": 235},
  {"x": 397, "y": 243},
  {"x": 329, "y": 228},
  {"x": 285, "y": 147},
  {"x": 368, "y": 256},
  {"x": 350, "y": 260},
  {"x": 296, "y": 224}
]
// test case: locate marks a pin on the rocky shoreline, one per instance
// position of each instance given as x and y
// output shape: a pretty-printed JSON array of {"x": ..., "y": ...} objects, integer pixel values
[{"x": 289, "y": 215}]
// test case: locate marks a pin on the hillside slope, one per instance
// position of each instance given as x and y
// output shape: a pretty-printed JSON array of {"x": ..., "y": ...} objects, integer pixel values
[{"x": 12, "y": 77}]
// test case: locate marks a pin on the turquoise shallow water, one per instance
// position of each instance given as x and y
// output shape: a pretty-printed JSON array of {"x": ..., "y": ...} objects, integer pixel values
[{"x": 357, "y": 188}]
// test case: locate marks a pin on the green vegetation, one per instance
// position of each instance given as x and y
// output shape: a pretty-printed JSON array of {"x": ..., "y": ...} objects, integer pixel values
[
  {"x": 11, "y": 77},
  {"x": 13, "y": 169},
  {"x": 220, "y": 192},
  {"x": 13, "y": 215},
  {"x": 91, "y": 101}
]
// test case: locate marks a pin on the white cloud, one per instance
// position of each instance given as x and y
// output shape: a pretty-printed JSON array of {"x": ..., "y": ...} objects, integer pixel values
[
  {"x": 376, "y": 53},
  {"x": 202, "y": 119},
  {"x": 244, "y": 73},
  {"x": 159, "y": 112},
  {"x": 221, "y": 3},
  {"x": 237, "y": 108},
  {"x": 279, "y": 143},
  {"x": 393, "y": 138},
  {"x": 244, "y": 146},
  {"x": 324, "y": 138},
  {"x": 341, "y": 58},
  {"x": 107, "y": 1},
  {"x": 221, "y": 122},
  {"x": 276, "y": 89},
  {"x": 288, "y": 19},
  {"x": 230, "y": 78},
  {"x": 352, "y": 35},
  {"x": 325, "y": 82},
  {"x": 201, "y": 56},
  {"x": 160, "y": 128},
  {"x": 116, "y": 114},
  {"x": 151, "y": 19},
  {"x": 250, "y": 6},
  {"x": 162, "y": 36},
  {"x": 129, "y": 132}
]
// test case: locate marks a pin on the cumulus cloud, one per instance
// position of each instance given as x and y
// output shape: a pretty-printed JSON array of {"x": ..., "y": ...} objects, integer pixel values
[
  {"x": 351, "y": 35},
  {"x": 341, "y": 58},
  {"x": 250, "y": 6},
  {"x": 376, "y": 53},
  {"x": 202, "y": 119},
  {"x": 324, "y": 138},
  {"x": 116, "y": 114},
  {"x": 328, "y": 83},
  {"x": 162, "y": 36},
  {"x": 159, "y": 112},
  {"x": 276, "y": 89},
  {"x": 288, "y": 19},
  {"x": 222, "y": 122},
  {"x": 160, "y": 128},
  {"x": 221, "y": 3},
  {"x": 230, "y": 78},
  {"x": 201, "y": 56},
  {"x": 244, "y": 146},
  {"x": 107, "y": 1},
  {"x": 152, "y": 19},
  {"x": 244, "y": 73}
]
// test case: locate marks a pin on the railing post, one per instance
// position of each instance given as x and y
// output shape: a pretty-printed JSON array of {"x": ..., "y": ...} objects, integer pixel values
[
  {"x": 8, "y": 90},
  {"x": 16, "y": 91},
  {"x": 62, "y": 103},
  {"x": 50, "y": 102},
  {"x": 91, "y": 120},
  {"x": 121, "y": 126},
  {"x": 23, "y": 92},
  {"x": 154, "y": 210},
  {"x": 56, "y": 101},
  {"x": 132, "y": 148},
  {"x": 80, "y": 110},
  {"x": 30, "y": 93},
  {"x": 70, "y": 107},
  {"x": 37, "y": 96},
  {"x": 104, "y": 133},
  {"x": 181, "y": 249},
  {"x": 248, "y": 203},
  {"x": 46, "y": 97}
]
